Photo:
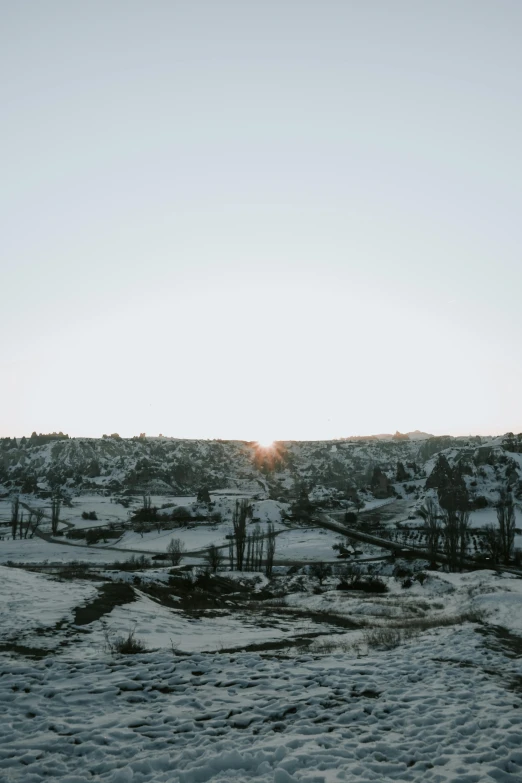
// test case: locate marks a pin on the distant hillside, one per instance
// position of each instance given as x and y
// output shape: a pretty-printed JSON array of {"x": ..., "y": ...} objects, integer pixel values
[{"x": 335, "y": 469}]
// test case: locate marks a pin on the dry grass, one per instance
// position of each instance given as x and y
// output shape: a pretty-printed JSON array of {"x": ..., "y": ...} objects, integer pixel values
[
  {"x": 124, "y": 645},
  {"x": 393, "y": 634}
]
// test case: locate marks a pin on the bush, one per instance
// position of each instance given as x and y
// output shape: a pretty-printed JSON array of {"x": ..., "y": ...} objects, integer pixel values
[
  {"x": 132, "y": 564},
  {"x": 383, "y": 638},
  {"x": 181, "y": 514},
  {"x": 320, "y": 571},
  {"x": 401, "y": 571},
  {"x": 74, "y": 533},
  {"x": 371, "y": 584},
  {"x": 89, "y": 515},
  {"x": 125, "y": 645},
  {"x": 92, "y": 536}
]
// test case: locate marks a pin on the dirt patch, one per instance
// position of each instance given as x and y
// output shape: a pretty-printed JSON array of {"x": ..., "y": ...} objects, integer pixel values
[
  {"x": 22, "y": 649},
  {"x": 110, "y": 594},
  {"x": 281, "y": 644},
  {"x": 499, "y": 638}
]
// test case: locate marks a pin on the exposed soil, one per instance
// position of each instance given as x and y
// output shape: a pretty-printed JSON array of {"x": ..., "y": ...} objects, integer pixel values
[{"x": 110, "y": 594}]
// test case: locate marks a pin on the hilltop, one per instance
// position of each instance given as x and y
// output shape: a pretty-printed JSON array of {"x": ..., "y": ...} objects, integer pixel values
[{"x": 335, "y": 471}]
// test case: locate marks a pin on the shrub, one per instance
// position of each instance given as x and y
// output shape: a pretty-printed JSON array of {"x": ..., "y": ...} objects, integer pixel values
[
  {"x": 89, "y": 515},
  {"x": 400, "y": 571},
  {"x": 320, "y": 571},
  {"x": 125, "y": 645},
  {"x": 383, "y": 638},
  {"x": 181, "y": 514},
  {"x": 92, "y": 536},
  {"x": 132, "y": 564},
  {"x": 370, "y": 584}
]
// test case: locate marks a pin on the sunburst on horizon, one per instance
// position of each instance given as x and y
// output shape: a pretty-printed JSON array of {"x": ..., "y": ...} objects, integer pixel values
[{"x": 265, "y": 443}]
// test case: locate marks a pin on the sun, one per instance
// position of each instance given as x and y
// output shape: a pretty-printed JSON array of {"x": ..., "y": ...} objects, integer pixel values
[{"x": 265, "y": 443}]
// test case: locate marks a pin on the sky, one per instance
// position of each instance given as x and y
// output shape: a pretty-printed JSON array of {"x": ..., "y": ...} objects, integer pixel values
[{"x": 260, "y": 220}]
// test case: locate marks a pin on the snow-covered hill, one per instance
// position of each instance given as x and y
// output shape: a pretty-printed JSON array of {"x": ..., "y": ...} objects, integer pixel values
[{"x": 328, "y": 469}]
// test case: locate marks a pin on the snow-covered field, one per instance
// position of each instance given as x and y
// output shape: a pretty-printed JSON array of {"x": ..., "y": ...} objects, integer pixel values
[
  {"x": 442, "y": 707},
  {"x": 36, "y": 550},
  {"x": 193, "y": 538},
  {"x": 323, "y": 685},
  {"x": 307, "y": 544},
  {"x": 32, "y": 602},
  {"x": 162, "y": 628}
]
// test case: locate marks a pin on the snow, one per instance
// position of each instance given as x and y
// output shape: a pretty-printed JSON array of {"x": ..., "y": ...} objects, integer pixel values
[
  {"x": 160, "y": 627},
  {"x": 33, "y": 601},
  {"x": 370, "y": 505},
  {"x": 106, "y": 511},
  {"x": 483, "y": 517},
  {"x": 306, "y": 544},
  {"x": 444, "y": 707},
  {"x": 438, "y": 711},
  {"x": 194, "y": 538},
  {"x": 36, "y": 550}
]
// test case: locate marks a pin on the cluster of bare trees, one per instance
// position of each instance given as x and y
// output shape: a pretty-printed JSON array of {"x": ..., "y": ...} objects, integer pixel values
[
  {"x": 430, "y": 513},
  {"x": 456, "y": 526},
  {"x": 447, "y": 530},
  {"x": 236, "y": 551},
  {"x": 247, "y": 551},
  {"x": 500, "y": 541},
  {"x": 176, "y": 551},
  {"x": 21, "y": 527}
]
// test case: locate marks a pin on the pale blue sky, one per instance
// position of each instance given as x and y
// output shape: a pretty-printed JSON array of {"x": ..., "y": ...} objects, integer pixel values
[{"x": 260, "y": 219}]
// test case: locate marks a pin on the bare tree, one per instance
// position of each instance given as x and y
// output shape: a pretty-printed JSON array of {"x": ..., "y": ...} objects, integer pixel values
[
  {"x": 491, "y": 540},
  {"x": 242, "y": 512},
  {"x": 214, "y": 557},
  {"x": 254, "y": 550},
  {"x": 451, "y": 538},
  {"x": 270, "y": 550},
  {"x": 35, "y": 519},
  {"x": 463, "y": 528},
  {"x": 55, "y": 514},
  {"x": 259, "y": 547},
  {"x": 430, "y": 513},
  {"x": 15, "y": 513},
  {"x": 248, "y": 557},
  {"x": 506, "y": 524},
  {"x": 320, "y": 571},
  {"x": 231, "y": 551},
  {"x": 175, "y": 551}
]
